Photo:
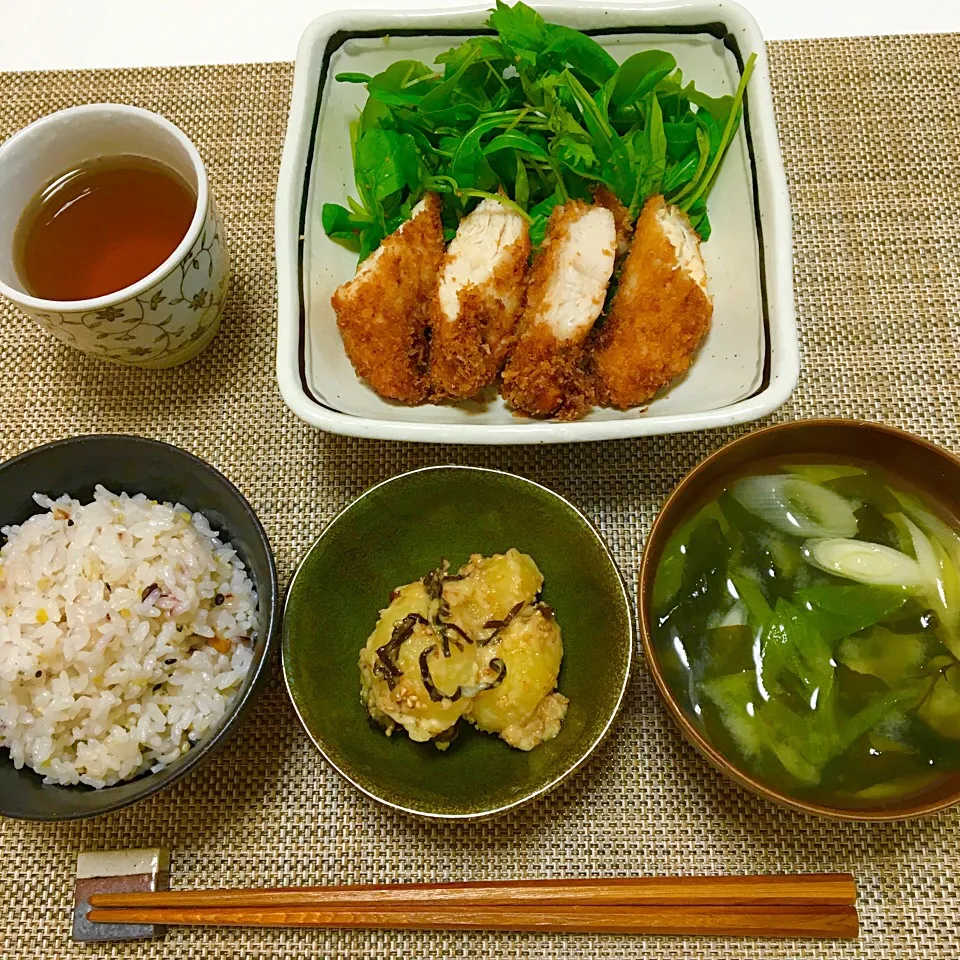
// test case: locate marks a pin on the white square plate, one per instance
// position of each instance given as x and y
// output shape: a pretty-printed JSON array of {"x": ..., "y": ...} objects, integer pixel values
[{"x": 748, "y": 364}]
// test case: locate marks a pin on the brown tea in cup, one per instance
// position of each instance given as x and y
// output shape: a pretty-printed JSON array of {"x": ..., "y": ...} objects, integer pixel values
[{"x": 101, "y": 226}]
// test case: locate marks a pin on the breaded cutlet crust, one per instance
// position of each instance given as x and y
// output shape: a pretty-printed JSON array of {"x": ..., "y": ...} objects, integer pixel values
[
  {"x": 544, "y": 376},
  {"x": 467, "y": 354},
  {"x": 605, "y": 197},
  {"x": 383, "y": 315},
  {"x": 657, "y": 319}
]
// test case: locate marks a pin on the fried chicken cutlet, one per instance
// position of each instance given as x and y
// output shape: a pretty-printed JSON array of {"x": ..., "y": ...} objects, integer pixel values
[
  {"x": 568, "y": 282},
  {"x": 480, "y": 296},
  {"x": 383, "y": 312},
  {"x": 660, "y": 313}
]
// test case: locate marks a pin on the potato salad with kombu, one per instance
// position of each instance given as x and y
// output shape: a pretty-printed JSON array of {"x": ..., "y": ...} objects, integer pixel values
[{"x": 476, "y": 645}]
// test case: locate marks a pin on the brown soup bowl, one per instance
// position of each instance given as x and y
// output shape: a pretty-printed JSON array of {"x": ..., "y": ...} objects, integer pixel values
[{"x": 914, "y": 462}]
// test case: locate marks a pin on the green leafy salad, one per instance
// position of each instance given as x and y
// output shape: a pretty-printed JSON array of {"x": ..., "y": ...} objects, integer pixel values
[
  {"x": 534, "y": 114},
  {"x": 810, "y": 622}
]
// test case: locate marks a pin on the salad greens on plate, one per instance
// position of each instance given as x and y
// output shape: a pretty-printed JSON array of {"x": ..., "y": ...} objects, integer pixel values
[{"x": 533, "y": 114}]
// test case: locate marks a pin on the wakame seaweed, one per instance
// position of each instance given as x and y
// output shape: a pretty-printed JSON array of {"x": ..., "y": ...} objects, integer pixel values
[{"x": 534, "y": 116}]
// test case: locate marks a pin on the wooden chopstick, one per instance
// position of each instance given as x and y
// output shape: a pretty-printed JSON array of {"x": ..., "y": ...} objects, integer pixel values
[
  {"x": 838, "y": 922},
  {"x": 820, "y": 890},
  {"x": 813, "y": 905}
]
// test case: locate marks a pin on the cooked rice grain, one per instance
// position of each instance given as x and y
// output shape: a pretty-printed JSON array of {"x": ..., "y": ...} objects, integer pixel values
[{"x": 107, "y": 613}]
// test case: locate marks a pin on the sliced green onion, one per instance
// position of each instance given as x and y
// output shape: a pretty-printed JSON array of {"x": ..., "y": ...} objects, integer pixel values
[
  {"x": 824, "y": 473},
  {"x": 949, "y": 583},
  {"x": 946, "y": 544},
  {"x": 736, "y": 616},
  {"x": 927, "y": 558},
  {"x": 865, "y": 562},
  {"x": 793, "y": 505}
]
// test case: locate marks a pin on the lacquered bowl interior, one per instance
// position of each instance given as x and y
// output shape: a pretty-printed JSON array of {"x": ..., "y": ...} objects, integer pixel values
[
  {"x": 396, "y": 533},
  {"x": 915, "y": 462},
  {"x": 165, "y": 473}
]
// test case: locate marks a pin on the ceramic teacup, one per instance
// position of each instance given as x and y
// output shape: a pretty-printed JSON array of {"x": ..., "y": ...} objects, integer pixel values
[{"x": 168, "y": 316}]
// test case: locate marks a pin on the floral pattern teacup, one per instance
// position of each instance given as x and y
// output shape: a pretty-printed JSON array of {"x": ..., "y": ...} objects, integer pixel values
[{"x": 167, "y": 317}]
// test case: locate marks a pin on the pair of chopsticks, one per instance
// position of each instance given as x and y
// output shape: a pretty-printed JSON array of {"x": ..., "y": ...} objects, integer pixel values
[{"x": 812, "y": 905}]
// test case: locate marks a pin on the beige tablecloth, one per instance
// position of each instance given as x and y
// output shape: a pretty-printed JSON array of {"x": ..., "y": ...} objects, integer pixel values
[{"x": 871, "y": 138}]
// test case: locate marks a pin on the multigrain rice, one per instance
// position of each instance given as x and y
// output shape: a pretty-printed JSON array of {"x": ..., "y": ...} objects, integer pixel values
[{"x": 126, "y": 629}]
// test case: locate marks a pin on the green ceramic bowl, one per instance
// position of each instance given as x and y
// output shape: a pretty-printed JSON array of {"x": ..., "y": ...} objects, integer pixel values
[{"x": 395, "y": 533}]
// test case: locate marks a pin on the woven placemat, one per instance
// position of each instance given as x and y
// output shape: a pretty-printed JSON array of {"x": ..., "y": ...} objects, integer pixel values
[{"x": 871, "y": 137}]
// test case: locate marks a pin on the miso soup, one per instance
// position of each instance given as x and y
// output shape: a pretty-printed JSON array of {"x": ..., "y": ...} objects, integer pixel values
[{"x": 809, "y": 620}]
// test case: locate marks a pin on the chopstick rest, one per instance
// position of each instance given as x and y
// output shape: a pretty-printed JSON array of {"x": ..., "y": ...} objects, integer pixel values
[{"x": 118, "y": 871}]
